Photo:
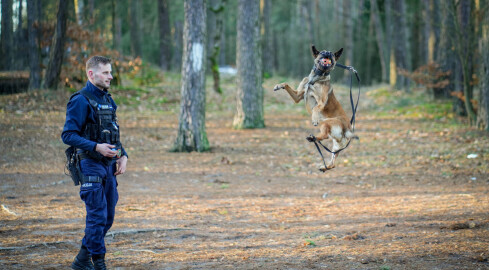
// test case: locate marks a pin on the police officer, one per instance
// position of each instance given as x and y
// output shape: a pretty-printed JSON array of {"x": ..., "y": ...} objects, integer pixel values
[{"x": 91, "y": 126}]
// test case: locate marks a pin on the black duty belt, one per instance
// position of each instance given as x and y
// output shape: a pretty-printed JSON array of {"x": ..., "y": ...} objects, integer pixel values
[{"x": 95, "y": 156}]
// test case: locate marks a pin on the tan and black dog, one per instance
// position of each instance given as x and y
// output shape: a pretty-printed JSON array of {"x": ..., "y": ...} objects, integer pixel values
[{"x": 321, "y": 103}]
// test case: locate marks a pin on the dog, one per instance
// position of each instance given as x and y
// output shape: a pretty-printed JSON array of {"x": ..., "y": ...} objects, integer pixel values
[{"x": 321, "y": 103}]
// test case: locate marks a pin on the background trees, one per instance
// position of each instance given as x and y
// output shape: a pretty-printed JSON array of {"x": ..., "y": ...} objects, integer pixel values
[
  {"x": 57, "y": 46},
  {"x": 393, "y": 42},
  {"x": 191, "y": 129},
  {"x": 6, "y": 40},
  {"x": 33, "y": 39},
  {"x": 249, "y": 113}
]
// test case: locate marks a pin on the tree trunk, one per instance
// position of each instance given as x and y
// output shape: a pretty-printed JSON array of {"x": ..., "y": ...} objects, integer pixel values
[
  {"x": 443, "y": 52},
  {"x": 216, "y": 42},
  {"x": 425, "y": 33},
  {"x": 435, "y": 28},
  {"x": 7, "y": 36},
  {"x": 301, "y": 27},
  {"x": 57, "y": 47},
  {"x": 347, "y": 58},
  {"x": 249, "y": 112},
  {"x": 19, "y": 20},
  {"x": 135, "y": 29},
  {"x": 370, "y": 51},
  {"x": 178, "y": 44},
  {"x": 114, "y": 22},
  {"x": 192, "y": 135},
  {"x": 79, "y": 11},
  {"x": 466, "y": 57},
  {"x": 33, "y": 36},
  {"x": 379, "y": 34},
  {"x": 21, "y": 43},
  {"x": 388, "y": 40},
  {"x": 119, "y": 11},
  {"x": 165, "y": 34},
  {"x": 267, "y": 39},
  {"x": 483, "y": 109},
  {"x": 401, "y": 49}
]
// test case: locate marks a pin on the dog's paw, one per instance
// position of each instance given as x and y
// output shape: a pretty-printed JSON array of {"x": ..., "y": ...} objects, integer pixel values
[
  {"x": 324, "y": 169},
  {"x": 311, "y": 138},
  {"x": 278, "y": 87}
]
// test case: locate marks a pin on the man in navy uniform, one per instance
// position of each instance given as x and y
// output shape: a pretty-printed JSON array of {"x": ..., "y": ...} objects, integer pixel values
[{"x": 91, "y": 127}]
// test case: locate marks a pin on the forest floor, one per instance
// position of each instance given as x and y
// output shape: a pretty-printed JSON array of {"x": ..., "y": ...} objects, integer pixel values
[{"x": 412, "y": 193}]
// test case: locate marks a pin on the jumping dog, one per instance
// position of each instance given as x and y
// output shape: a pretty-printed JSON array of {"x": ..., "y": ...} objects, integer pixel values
[{"x": 321, "y": 103}]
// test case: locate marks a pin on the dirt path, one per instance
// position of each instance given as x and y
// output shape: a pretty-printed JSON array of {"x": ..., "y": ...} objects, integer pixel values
[{"x": 403, "y": 197}]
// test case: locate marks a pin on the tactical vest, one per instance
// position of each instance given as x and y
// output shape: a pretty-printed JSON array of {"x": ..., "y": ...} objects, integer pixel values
[{"x": 105, "y": 130}]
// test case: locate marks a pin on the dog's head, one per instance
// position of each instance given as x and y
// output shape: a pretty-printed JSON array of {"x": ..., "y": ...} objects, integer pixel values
[{"x": 324, "y": 61}]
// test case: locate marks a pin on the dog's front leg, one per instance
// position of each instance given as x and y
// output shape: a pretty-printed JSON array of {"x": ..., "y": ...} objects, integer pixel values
[{"x": 296, "y": 95}]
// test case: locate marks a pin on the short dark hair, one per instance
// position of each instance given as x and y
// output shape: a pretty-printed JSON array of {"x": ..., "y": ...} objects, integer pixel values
[{"x": 94, "y": 61}]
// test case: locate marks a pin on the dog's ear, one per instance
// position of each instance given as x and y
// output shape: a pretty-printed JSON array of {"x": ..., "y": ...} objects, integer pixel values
[
  {"x": 338, "y": 54},
  {"x": 314, "y": 51}
]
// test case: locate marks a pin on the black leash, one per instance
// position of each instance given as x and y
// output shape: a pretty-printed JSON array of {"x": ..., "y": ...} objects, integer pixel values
[{"x": 353, "y": 108}]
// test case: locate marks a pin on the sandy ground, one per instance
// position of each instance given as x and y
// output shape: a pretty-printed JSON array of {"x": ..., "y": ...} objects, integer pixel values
[{"x": 405, "y": 196}]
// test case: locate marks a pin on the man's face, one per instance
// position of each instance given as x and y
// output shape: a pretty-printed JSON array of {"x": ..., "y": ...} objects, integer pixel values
[{"x": 101, "y": 76}]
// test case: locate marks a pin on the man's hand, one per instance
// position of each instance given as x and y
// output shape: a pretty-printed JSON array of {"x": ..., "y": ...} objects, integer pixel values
[
  {"x": 106, "y": 149},
  {"x": 121, "y": 165}
]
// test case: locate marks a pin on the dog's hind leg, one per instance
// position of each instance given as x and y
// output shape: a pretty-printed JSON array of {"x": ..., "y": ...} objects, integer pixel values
[{"x": 325, "y": 132}]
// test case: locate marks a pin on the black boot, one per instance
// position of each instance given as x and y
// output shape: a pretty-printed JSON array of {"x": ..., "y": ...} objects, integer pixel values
[
  {"x": 82, "y": 260},
  {"x": 99, "y": 262}
]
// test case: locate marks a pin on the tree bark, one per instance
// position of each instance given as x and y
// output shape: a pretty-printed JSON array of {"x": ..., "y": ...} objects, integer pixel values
[
  {"x": 135, "y": 28},
  {"x": 57, "y": 47},
  {"x": 401, "y": 49},
  {"x": 267, "y": 39},
  {"x": 79, "y": 8},
  {"x": 7, "y": 36},
  {"x": 216, "y": 42},
  {"x": 347, "y": 57},
  {"x": 21, "y": 44},
  {"x": 379, "y": 34},
  {"x": 33, "y": 22},
  {"x": 178, "y": 44},
  {"x": 114, "y": 22},
  {"x": 466, "y": 57},
  {"x": 388, "y": 39},
  {"x": 165, "y": 34},
  {"x": 425, "y": 33},
  {"x": 192, "y": 135},
  {"x": 483, "y": 109},
  {"x": 19, "y": 20},
  {"x": 443, "y": 52},
  {"x": 249, "y": 113}
]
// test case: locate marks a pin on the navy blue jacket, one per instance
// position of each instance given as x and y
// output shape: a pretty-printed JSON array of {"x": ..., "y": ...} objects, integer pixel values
[{"x": 78, "y": 113}]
